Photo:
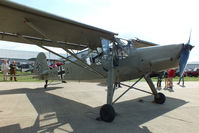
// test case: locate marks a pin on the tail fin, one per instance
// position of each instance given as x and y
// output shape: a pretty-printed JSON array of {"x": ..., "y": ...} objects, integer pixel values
[{"x": 41, "y": 66}]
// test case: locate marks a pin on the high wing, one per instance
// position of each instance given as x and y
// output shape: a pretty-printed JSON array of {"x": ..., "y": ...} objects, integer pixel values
[
  {"x": 138, "y": 43},
  {"x": 22, "y": 24}
]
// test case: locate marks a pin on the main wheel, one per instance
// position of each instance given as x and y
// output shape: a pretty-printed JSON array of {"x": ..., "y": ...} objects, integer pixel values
[
  {"x": 107, "y": 113},
  {"x": 160, "y": 98}
]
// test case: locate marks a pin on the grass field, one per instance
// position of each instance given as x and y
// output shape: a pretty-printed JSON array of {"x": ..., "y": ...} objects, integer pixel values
[
  {"x": 185, "y": 78},
  {"x": 25, "y": 77},
  {"x": 30, "y": 79}
]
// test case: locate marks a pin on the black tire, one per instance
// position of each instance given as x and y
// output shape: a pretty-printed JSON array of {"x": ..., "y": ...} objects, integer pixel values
[
  {"x": 160, "y": 98},
  {"x": 107, "y": 113}
]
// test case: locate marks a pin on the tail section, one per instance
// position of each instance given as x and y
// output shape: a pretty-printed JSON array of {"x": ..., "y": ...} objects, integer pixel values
[{"x": 41, "y": 66}]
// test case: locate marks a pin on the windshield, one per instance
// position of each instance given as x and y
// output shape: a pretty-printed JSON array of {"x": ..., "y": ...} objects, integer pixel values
[
  {"x": 123, "y": 47},
  {"x": 122, "y": 42}
]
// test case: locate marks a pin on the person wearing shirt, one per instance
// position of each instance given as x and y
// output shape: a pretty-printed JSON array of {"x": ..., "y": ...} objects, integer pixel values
[
  {"x": 171, "y": 75},
  {"x": 5, "y": 69},
  {"x": 13, "y": 71},
  {"x": 181, "y": 78}
]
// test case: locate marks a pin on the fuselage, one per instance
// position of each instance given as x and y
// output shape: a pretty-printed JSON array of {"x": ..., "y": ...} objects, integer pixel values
[{"x": 138, "y": 62}]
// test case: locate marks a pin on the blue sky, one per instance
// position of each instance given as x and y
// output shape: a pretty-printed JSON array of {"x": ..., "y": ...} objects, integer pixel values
[{"x": 159, "y": 21}]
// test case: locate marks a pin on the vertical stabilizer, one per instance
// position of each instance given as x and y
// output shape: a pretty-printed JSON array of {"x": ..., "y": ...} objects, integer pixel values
[{"x": 41, "y": 66}]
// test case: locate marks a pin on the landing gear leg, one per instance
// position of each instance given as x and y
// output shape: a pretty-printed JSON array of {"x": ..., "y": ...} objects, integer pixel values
[
  {"x": 46, "y": 84},
  {"x": 158, "y": 97},
  {"x": 107, "y": 112}
]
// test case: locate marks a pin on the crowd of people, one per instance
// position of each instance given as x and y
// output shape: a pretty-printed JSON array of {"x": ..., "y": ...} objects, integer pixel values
[
  {"x": 169, "y": 75},
  {"x": 9, "y": 71},
  {"x": 6, "y": 68}
]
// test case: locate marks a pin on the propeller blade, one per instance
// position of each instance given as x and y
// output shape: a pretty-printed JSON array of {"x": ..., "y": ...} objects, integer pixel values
[
  {"x": 189, "y": 37},
  {"x": 184, "y": 56}
]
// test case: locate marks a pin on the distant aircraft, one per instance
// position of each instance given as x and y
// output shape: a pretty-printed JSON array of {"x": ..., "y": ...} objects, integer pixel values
[{"x": 109, "y": 59}]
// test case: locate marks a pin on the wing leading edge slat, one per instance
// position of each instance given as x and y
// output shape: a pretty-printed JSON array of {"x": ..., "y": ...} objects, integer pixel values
[{"x": 138, "y": 43}]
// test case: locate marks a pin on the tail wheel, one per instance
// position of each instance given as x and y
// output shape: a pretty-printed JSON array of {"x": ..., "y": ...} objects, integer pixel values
[
  {"x": 107, "y": 113},
  {"x": 160, "y": 98}
]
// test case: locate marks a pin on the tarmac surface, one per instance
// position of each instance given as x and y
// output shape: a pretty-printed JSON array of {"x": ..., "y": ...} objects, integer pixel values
[{"x": 26, "y": 107}]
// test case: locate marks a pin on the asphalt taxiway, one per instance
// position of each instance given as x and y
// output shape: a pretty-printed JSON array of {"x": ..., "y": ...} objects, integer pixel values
[{"x": 26, "y": 107}]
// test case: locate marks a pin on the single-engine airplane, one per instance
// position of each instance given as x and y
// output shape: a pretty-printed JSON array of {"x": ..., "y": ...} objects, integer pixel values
[{"x": 109, "y": 59}]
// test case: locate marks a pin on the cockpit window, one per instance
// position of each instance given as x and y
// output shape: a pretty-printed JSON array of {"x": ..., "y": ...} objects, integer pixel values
[
  {"x": 96, "y": 55},
  {"x": 123, "y": 47},
  {"x": 122, "y": 42},
  {"x": 107, "y": 45},
  {"x": 101, "y": 54}
]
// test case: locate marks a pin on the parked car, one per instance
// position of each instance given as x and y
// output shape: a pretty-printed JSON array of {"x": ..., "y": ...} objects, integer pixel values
[
  {"x": 188, "y": 72},
  {"x": 25, "y": 67},
  {"x": 193, "y": 73}
]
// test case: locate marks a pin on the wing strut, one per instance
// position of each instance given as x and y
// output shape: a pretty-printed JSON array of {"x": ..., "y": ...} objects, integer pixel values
[
  {"x": 87, "y": 66},
  {"x": 32, "y": 26},
  {"x": 28, "y": 41}
]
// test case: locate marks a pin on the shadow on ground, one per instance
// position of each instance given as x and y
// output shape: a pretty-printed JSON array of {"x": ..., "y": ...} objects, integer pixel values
[{"x": 76, "y": 117}]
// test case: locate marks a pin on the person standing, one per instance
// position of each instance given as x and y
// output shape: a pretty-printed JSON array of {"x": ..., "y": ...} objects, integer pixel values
[
  {"x": 160, "y": 74},
  {"x": 53, "y": 65},
  {"x": 13, "y": 71},
  {"x": 5, "y": 69},
  {"x": 61, "y": 71},
  {"x": 166, "y": 79},
  {"x": 171, "y": 75},
  {"x": 117, "y": 84},
  {"x": 181, "y": 78}
]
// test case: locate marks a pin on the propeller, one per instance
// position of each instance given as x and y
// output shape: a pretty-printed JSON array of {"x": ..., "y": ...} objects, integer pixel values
[{"x": 184, "y": 56}]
